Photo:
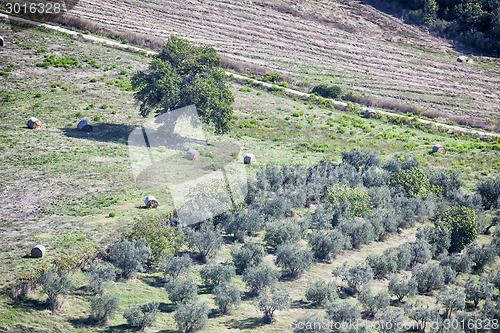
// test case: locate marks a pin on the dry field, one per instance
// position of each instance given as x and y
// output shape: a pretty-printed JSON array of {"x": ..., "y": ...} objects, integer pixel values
[{"x": 348, "y": 43}]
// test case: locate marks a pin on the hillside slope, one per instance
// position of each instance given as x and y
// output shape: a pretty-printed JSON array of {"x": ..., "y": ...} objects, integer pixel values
[{"x": 348, "y": 43}]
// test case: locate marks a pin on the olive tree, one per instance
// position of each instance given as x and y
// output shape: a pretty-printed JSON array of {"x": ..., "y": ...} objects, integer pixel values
[
  {"x": 260, "y": 277},
  {"x": 207, "y": 240},
  {"x": 429, "y": 277},
  {"x": 373, "y": 303},
  {"x": 389, "y": 320},
  {"x": 141, "y": 316},
  {"x": 461, "y": 221},
  {"x": 182, "y": 290},
  {"x": 174, "y": 267},
  {"x": 271, "y": 301},
  {"x": 402, "y": 288},
  {"x": 309, "y": 323},
  {"x": 340, "y": 311},
  {"x": 129, "y": 256},
  {"x": 293, "y": 259},
  {"x": 54, "y": 285},
  {"x": 248, "y": 255},
  {"x": 227, "y": 295},
  {"x": 355, "y": 276},
  {"x": 99, "y": 277},
  {"x": 103, "y": 307},
  {"x": 422, "y": 314},
  {"x": 192, "y": 317},
  {"x": 452, "y": 299},
  {"x": 321, "y": 292},
  {"x": 326, "y": 245},
  {"x": 476, "y": 291},
  {"x": 281, "y": 232},
  {"x": 215, "y": 273}
]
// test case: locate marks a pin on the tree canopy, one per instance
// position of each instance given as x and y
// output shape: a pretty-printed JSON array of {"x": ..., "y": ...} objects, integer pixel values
[{"x": 182, "y": 75}]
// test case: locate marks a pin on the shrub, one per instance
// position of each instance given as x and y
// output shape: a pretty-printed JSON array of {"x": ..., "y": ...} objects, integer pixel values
[
  {"x": 402, "y": 288},
  {"x": 54, "y": 285},
  {"x": 207, "y": 240},
  {"x": 373, "y": 303},
  {"x": 462, "y": 223},
  {"x": 327, "y": 91},
  {"x": 174, "y": 267},
  {"x": 248, "y": 255},
  {"x": 320, "y": 292},
  {"x": 489, "y": 190},
  {"x": 103, "y": 307},
  {"x": 293, "y": 259},
  {"x": 309, "y": 323},
  {"x": 359, "y": 160},
  {"x": 414, "y": 182},
  {"x": 192, "y": 317},
  {"x": 259, "y": 277},
  {"x": 226, "y": 295},
  {"x": 453, "y": 299},
  {"x": 216, "y": 273},
  {"x": 281, "y": 232},
  {"x": 270, "y": 301},
  {"x": 182, "y": 290},
  {"x": 129, "y": 256},
  {"x": 99, "y": 277},
  {"x": 355, "y": 276},
  {"x": 141, "y": 316},
  {"x": 356, "y": 198},
  {"x": 326, "y": 244}
]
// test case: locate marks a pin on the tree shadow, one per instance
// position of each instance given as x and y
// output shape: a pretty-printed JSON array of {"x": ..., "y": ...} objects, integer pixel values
[
  {"x": 288, "y": 277},
  {"x": 214, "y": 313},
  {"x": 27, "y": 304},
  {"x": 248, "y": 295},
  {"x": 119, "y": 329},
  {"x": 245, "y": 324},
  {"x": 166, "y": 307},
  {"x": 104, "y": 132},
  {"x": 81, "y": 322},
  {"x": 301, "y": 304},
  {"x": 153, "y": 281},
  {"x": 204, "y": 290}
]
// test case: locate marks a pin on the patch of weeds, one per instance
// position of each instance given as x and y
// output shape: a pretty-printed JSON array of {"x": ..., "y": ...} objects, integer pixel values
[
  {"x": 93, "y": 80},
  {"x": 245, "y": 89},
  {"x": 97, "y": 118},
  {"x": 92, "y": 63},
  {"x": 104, "y": 106},
  {"x": 298, "y": 113},
  {"x": 67, "y": 62}
]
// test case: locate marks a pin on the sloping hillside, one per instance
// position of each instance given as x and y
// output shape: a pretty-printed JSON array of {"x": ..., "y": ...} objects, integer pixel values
[{"x": 345, "y": 42}]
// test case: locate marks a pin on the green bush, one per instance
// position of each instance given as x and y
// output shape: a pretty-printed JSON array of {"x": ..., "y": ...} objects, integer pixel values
[
  {"x": 99, "y": 278},
  {"x": 174, "y": 267},
  {"x": 327, "y": 91},
  {"x": 461, "y": 221},
  {"x": 413, "y": 181},
  {"x": 356, "y": 198},
  {"x": 272, "y": 300},
  {"x": 293, "y": 259},
  {"x": 216, "y": 273},
  {"x": 260, "y": 277},
  {"x": 248, "y": 255},
  {"x": 182, "y": 290}
]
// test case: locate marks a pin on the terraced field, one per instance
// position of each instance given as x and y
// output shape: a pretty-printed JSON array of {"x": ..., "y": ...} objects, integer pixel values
[{"x": 348, "y": 43}]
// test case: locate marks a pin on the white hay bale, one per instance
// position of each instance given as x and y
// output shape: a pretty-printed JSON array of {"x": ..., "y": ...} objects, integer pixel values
[
  {"x": 151, "y": 202},
  {"x": 2, "y": 42},
  {"x": 439, "y": 149},
  {"x": 34, "y": 123},
  {"x": 38, "y": 251},
  {"x": 250, "y": 159},
  {"x": 193, "y": 154},
  {"x": 85, "y": 126},
  {"x": 370, "y": 113},
  {"x": 463, "y": 59}
]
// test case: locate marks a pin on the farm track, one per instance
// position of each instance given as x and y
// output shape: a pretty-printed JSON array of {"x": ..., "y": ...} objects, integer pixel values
[
  {"x": 238, "y": 76},
  {"x": 334, "y": 40}
]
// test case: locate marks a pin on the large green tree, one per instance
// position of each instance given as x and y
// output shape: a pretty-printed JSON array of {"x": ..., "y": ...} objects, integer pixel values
[{"x": 182, "y": 75}]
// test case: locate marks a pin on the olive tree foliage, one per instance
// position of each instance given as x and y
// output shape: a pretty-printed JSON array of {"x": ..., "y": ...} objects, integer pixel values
[
  {"x": 207, "y": 239},
  {"x": 272, "y": 300},
  {"x": 175, "y": 267},
  {"x": 216, "y": 273},
  {"x": 361, "y": 161},
  {"x": 182, "y": 75},
  {"x": 182, "y": 290},
  {"x": 461, "y": 221},
  {"x": 447, "y": 182},
  {"x": 422, "y": 314},
  {"x": 100, "y": 277},
  {"x": 309, "y": 323},
  {"x": 103, "y": 307},
  {"x": 429, "y": 277},
  {"x": 385, "y": 264},
  {"x": 389, "y": 320},
  {"x": 480, "y": 256},
  {"x": 402, "y": 288},
  {"x": 249, "y": 255},
  {"x": 192, "y": 317},
  {"x": 489, "y": 190},
  {"x": 452, "y": 299},
  {"x": 227, "y": 295},
  {"x": 438, "y": 239},
  {"x": 54, "y": 285},
  {"x": 280, "y": 232},
  {"x": 355, "y": 276},
  {"x": 242, "y": 223},
  {"x": 259, "y": 277},
  {"x": 373, "y": 303},
  {"x": 326, "y": 244},
  {"x": 476, "y": 291},
  {"x": 129, "y": 256},
  {"x": 141, "y": 316},
  {"x": 340, "y": 311},
  {"x": 458, "y": 263},
  {"x": 321, "y": 292},
  {"x": 293, "y": 259}
]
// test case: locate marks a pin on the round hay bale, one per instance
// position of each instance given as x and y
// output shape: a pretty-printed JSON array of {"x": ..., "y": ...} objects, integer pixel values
[
  {"x": 439, "y": 149},
  {"x": 151, "y": 202},
  {"x": 250, "y": 159},
  {"x": 34, "y": 123},
  {"x": 463, "y": 59},
  {"x": 38, "y": 251},
  {"x": 370, "y": 113},
  {"x": 2, "y": 42},
  {"x": 84, "y": 126},
  {"x": 193, "y": 154}
]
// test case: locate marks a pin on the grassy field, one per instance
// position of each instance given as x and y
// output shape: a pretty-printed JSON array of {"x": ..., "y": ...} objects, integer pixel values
[{"x": 59, "y": 185}]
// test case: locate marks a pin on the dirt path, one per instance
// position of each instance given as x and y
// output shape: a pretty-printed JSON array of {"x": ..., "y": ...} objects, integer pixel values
[{"x": 238, "y": 76}]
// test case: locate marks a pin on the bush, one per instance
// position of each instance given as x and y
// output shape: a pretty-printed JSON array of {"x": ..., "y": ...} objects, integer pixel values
[
  {"x": 216, "y": 273},
  {"x": 326, "y": 244},
  {"x": 327, "y": 91},
  {"x": 373, "y": 303},
  {"x": 54, "y": 285},
  {"x": 99, "y": 277},
  {"x": 414, "y": 182},
  {"x": 355, "y": 276},
  {"x": 402, "y": 288},
  {"x": 226, "y": 295},
  {"x": 270, "y": 301},
  {"x": 462, "y": 223},
  {"x": 103, "y": 307},
  {"x": 174, "y": 267},
  {"x": 248, "y": 255},
  {"x": 182, "y": 290},
  {"x": 160, "y": 238},
  {"x": 281, "y": 232},
  {"x": 260, "y": 277},
  {"x": 293, "y": 259},
  {"x": 359, "y": 160},
  {"x": 489, "y": 190},
  {"x": 309, "y": 323},
  {"x": 192, "y": 317},
  {"x": 129, "y": 256},
  {"x": 141, "y": 316},
  {"x": 320, "y": 292},
  {"x": 207, "y": 240},
  {"x": 355, "y": 198}
]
